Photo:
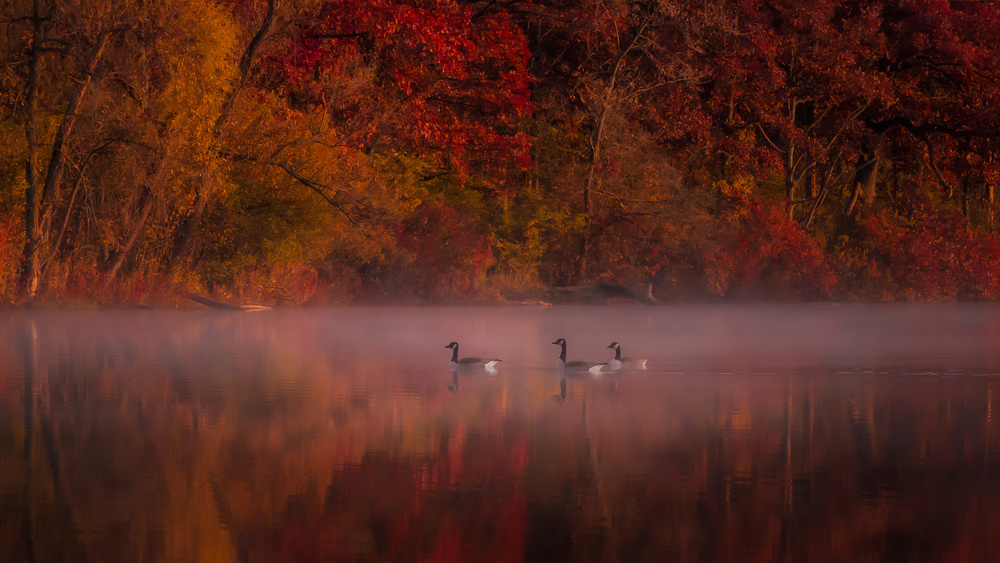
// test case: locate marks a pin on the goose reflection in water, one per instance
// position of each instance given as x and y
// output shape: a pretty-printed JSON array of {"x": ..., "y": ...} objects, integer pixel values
[{"x": 612, "y": 388}]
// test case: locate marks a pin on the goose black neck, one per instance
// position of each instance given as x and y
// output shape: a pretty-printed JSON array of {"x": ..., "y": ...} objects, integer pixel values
[
  {"x": 562, "y": 354},
  {"x": 618, "y": 353},
  {"x": 454, "y": 354}
]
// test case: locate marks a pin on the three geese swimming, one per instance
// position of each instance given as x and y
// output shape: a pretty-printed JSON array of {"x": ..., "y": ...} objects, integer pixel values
[{"x": 617, "y": 363}]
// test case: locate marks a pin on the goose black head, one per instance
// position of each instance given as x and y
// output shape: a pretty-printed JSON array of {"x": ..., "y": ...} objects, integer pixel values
[
  {"x": 613, "y": 345},
  {"x": 453, "y": 345},
  {"x": 562, "y": 351}
]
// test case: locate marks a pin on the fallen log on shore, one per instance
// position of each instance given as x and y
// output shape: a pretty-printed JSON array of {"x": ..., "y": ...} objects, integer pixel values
[
  {"x": 226, "y": 306},
  {"x": 602, "y": 293}
]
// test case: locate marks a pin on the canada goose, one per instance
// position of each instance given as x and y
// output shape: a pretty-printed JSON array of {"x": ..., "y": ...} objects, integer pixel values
[
  {"x": 592, "y": 367},
  {"x": 619, "y": 363},
  {"x": 489, "y": 364}
]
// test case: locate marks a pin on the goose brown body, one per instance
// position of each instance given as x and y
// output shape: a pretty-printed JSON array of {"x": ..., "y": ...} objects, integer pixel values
[
  {"x": 470, "y": 362},
  {"x": 576, "y": 365},
  {"x": 618, "y": 362}
]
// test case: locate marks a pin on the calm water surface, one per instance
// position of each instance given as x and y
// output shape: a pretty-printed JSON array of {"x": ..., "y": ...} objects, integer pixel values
[{"x": 809, "y": 433}]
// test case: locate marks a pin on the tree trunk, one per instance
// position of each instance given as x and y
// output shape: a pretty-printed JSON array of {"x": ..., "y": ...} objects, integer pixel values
[
  {"x": 865, "y": 177},
  {"x": 145, "y": 208},
  {"x": 39, "y": 207},
  {"x": 596, "y": 138},
  {"x": 28, "y": 278},
  {"x": 185, "y": 231},
  {"x": 184, "y": 235},
  {"x": 965, "y": 200},
  {"x": 58, "y": 159},
  {"x": 147, "y": 197},
  {"x": 790, "y": 181},
  {"x": 989, "y": 207},
  {"x": 595, "y": 151}
]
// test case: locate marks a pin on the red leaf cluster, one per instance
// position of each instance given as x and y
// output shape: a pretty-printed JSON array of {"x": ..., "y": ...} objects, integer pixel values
[{"x": 438, "y": 78}]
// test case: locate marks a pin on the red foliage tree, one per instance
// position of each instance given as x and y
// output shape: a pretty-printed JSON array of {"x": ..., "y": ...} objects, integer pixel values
[
  {"x": 921, "y": 252},
  {"x": 446, "y": 254},
  {"x": 770, "y": 256},
  {"x": 437, "y": 78}
]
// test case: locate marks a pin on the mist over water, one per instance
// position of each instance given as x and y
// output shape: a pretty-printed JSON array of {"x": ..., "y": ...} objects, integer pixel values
[
  {"x": 790, "y": 433},
  {"x": 846, "y": 336}
]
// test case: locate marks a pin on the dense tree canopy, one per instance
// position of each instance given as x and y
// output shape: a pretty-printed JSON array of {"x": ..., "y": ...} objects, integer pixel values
[{"x": 314, "y": 151}]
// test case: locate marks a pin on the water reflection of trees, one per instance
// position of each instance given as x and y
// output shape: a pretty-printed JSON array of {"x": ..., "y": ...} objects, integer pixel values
[{"x": 118, "y": 448}]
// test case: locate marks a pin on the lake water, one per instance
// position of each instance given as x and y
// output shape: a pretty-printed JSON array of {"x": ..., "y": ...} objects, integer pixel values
[{"x": 757, "y": 433}]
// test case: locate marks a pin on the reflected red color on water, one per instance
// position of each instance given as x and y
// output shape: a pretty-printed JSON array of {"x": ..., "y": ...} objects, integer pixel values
[{"x": 756, "y": 434}]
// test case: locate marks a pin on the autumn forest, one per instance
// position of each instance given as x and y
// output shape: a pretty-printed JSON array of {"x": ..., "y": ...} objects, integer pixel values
[{"x": 299, "y": 152}]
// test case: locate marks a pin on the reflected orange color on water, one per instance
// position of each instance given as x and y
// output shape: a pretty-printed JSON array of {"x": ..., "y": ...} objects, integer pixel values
[{"x": 314, "y": 436}]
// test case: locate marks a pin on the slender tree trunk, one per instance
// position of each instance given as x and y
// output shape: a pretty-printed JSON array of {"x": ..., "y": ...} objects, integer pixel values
[
  {"x": 145, "y": 208},
  {"x": 184, "y": 235},
  {"x": 57, "y": 237},
  {"x": 588, "y": 186},
  {"x": 852, "y": 202},
  {"x": 596, "y": 138},
  {"x": 797, "y": 113},
  {"x": 818, "y": 200},
  {"x": 28, "y": 278},
  {"x": 39, "y": 207},
  {"x": 185, "y": 231},
  {"x": 57, "y": 161},
  {"x": 965, "y": 200},
  {"x": 865, "y": 177},
  {"x": 989, "y": 207},
  {"x": 790, "y": 180}
]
